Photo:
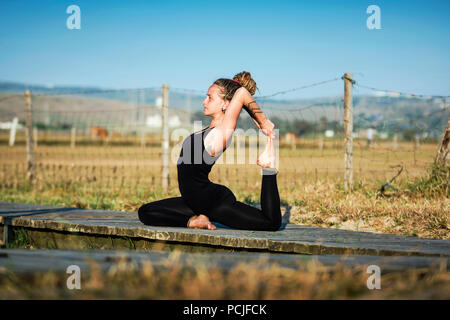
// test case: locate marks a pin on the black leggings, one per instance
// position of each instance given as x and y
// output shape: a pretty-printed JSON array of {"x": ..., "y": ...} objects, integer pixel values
[{"x": 174, "y": 212}]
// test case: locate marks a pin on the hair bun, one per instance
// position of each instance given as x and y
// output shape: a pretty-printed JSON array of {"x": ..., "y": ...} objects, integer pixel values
[{"x": 246, "y": 81}]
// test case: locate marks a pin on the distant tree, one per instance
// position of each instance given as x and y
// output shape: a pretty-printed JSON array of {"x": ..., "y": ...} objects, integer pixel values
[
  {"x": 303, "y": 127},
  {"x": 336, "y": 126},
  {"x": 409, "y": 134},
  {"x": 323, "y": 124}
]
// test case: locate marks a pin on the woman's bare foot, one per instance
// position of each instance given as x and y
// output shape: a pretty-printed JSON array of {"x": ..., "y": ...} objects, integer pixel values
[
  {"x": 267, "y": 158},
  {"x": 201, "y": 222}
]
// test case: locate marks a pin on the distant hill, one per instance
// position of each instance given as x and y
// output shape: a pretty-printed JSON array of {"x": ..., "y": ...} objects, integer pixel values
[{"x": 115, "y": 107}]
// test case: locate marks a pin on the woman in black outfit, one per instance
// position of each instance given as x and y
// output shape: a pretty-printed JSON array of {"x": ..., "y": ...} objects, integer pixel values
[{"x": 203, "y": 201}]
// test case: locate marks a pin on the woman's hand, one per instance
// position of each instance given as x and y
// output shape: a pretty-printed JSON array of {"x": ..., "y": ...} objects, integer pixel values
[{"x": 267, "y": 127}]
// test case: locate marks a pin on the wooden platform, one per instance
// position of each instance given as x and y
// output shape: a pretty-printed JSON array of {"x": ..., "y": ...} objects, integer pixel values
[{"x": 101, "y": 224}]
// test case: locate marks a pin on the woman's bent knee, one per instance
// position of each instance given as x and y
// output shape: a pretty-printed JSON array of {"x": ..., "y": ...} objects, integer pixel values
[{"x": 144, "y": 213}]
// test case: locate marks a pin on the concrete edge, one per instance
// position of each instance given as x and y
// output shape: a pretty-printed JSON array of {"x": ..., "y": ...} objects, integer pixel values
[{"x": 213, "y": 240}]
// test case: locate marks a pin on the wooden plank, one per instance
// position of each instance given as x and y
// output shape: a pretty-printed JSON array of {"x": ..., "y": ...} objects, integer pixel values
[{"x": 291, "y": 239}]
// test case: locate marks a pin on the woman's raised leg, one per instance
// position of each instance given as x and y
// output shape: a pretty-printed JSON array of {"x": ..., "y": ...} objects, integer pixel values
[{"x": 239, "y": 215}]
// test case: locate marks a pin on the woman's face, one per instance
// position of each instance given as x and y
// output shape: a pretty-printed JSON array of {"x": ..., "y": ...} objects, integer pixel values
[{"x": 213, "y": 103}]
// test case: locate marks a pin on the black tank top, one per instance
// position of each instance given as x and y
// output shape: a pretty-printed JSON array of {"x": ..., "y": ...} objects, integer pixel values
[{"x": 193, "y": 167}]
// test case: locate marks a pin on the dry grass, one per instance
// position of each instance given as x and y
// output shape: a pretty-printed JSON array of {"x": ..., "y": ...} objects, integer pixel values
[
  {"x": 311, "y": 188},
  {"x": 128, "y": 280},
  {"x": 401, "y": 215},
  {"x": 310, "y": 183}
]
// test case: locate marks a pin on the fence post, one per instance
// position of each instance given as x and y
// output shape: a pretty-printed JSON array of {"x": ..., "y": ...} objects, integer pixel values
[
  {"x": 348, "y": 129},
  {"x": 12, "y": 134},
  {"x": 35, "y": 137},
  {"x": 415, "y": 148},
  {"x": 395, "y": 142},
  {"x": 30, "y": 140},
  {"x": 165, "y": 136},
  {"x": 321, "y": 143},
  {"x": 143, "y": 142},
  {"x": 142, "y": 114},
  {"x": 73, "y": 137},
  {"x": 441, "y": 157}
]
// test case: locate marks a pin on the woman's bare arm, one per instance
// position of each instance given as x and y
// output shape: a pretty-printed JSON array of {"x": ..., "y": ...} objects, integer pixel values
[
  {"x": 259, "y": 118},
  {"x": 225, "y": 130}
]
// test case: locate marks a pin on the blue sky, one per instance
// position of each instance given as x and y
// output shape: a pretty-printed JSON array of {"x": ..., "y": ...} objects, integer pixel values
[{"x": 188, "y": 44}]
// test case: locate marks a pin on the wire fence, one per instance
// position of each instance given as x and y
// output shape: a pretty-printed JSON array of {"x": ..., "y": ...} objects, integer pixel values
[{"x": 112, "y": 139}]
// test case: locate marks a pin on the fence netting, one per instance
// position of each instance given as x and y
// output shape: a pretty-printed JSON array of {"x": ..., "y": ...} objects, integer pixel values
[{"x": 110, "y": 140}]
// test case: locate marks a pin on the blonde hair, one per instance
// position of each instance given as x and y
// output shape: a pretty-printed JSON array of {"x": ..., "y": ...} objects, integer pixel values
[{"x": 229, "y": 86}]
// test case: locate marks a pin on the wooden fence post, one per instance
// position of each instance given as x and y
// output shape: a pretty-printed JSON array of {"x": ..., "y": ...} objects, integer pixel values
[
  {"x": 395, "y": 142},
  {"x": 73, "y": 137},
  {"x": 30, "y": 140},
  {"x": 165, "y": 136},
  {"x": 441, "y": 157},
  {"x": 12, "y": 134},
  {"x": 143, "y": 142},
  {"x": 35, "y": 137},
  {"x": 348, "y": 129},
  {"x": 321, "y": 143}
]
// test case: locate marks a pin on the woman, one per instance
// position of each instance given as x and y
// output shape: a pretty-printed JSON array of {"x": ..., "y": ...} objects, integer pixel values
[{"x": 203, "y": 201}]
